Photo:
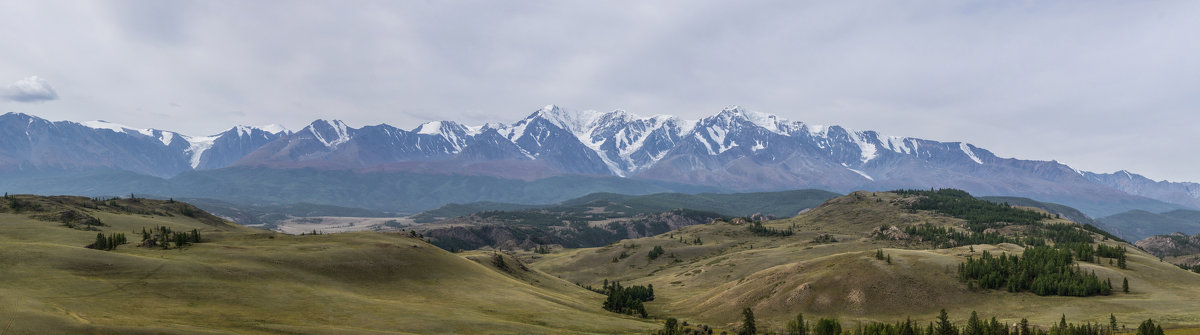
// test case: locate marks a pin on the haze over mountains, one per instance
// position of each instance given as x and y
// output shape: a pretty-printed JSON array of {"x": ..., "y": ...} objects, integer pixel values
[{"x": 733, "y": 150}]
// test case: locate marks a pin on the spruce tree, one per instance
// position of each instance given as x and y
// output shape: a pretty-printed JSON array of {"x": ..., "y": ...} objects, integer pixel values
[
  {"x": 748, "y": 327},
  {"x": 796, "y": 326},
  {"x": 974, "y": 326},
  {"x": 827, "y": 327},
  {"x": 100, "y": 243},
  {"x": 944, "y": 327},
  {"x": 1125, "y": 284}
]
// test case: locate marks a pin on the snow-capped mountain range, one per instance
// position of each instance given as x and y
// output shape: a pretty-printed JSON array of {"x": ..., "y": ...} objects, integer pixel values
[
  {"x": 30, "y": 142},
  {"x": 735, "y": 149}
]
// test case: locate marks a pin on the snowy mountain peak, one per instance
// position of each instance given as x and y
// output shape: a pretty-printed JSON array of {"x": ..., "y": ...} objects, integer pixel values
[
  {"x": 738, "y": 115},
  {"x": 577, "y": 123},
  {"x": 166, "y": 137},
  {"x": 246, "y": 131},
  {"x": 451, "y": 130},
  {"x": 966, "y": 149},
  {"x": 274, "y": 128},
  {"x": 431, "y": 128},
  {"x": 329, "y": 133}
]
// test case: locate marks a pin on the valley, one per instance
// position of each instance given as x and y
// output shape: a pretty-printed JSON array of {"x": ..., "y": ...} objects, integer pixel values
[
  {"x": 856, "y": 258},
  {"x": 599, "y": 167}
]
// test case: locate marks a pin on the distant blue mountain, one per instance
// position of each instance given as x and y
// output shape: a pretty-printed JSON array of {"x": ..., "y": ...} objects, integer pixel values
[{"x": 734, "y": 150}]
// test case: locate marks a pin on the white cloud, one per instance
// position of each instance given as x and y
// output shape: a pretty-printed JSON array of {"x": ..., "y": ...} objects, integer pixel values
[{"x": 31, "y": 89}]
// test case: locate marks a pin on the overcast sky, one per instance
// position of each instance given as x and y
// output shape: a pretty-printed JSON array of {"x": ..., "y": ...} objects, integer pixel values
[{"x": 1098, "y": 85}]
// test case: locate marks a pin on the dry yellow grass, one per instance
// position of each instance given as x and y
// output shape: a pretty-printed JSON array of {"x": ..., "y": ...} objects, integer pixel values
[
  {"x": 256, "y": 282},
  {"x": 781, "y": 276}
]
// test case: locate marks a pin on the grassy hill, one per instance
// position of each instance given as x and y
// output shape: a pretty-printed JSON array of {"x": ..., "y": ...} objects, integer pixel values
[
  {"x": 823, "y": 263},
  {"x": 249, "y": 281},
  {"x": 827, "y": 267}
]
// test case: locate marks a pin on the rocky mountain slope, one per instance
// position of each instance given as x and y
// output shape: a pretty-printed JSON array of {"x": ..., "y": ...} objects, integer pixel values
[
  {"x": 735, "y": 149},
  {"x": 1171, "y": 245}
]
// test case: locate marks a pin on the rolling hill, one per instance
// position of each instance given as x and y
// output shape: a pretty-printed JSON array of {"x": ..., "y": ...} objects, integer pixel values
[
  {"x": 826, "y": 266},
  {"x": 826, "y": 262},
  {"x": 250, "y": 281}
]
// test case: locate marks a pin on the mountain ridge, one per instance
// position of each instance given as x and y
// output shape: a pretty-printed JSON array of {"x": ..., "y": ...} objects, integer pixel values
[{"x": 736, "y": 149}]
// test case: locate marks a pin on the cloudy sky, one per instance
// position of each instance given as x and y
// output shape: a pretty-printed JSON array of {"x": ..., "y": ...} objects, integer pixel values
[{"x": 1099, "y": 85}]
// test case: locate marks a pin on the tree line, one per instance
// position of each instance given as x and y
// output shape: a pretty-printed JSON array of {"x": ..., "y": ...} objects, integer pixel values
[
  {"x": 163, "y": 237},
  {"x": 1041, "y": 270},
  {"x": 109, "y": 242},
  {"x": 980, "y": 214},
  {"x": 758, "y": 229},
  {"x": 975, "y": 325}
]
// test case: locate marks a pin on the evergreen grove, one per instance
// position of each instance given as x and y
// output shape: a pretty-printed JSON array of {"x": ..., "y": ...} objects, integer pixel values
[
  {"x": 627, "y": 300},
  {"x": 974, "y": 325},
  {"x": 1041, "y": 270}
]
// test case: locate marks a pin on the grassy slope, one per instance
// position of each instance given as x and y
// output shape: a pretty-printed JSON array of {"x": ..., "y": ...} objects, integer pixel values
[
  {"x": 250, "y": 281},
  {"x": 780, "y": 276}
]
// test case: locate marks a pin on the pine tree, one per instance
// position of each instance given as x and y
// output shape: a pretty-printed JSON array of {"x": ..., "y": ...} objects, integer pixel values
[
  {"x": 101, "y": 243},
  {"x": 1148, "y": 328},
  {"x": 1121, "y": 259},
  {"x": 797, "y": 326},
  {"x": 1112, "y": 323},
  {"x": 974, "y": 326},
  {"x": 827, "y": 327},
  {"x": 1125, "y": 284},
  {"x": 748, "y": 327},
  {"x": 944, "y": 327}
]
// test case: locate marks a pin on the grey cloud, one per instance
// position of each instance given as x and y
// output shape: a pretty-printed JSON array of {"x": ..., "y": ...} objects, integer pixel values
[
  {"x": 32, "y": 90},
  {"x": 1099, "y": 86}
]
